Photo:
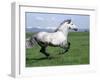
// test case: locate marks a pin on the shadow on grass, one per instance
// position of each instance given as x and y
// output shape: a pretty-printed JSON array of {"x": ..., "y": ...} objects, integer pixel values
[
  {"x": 33, "y": 61},
  {"x": 41, "y": 58},
  {"x": 30, "y": 61}
]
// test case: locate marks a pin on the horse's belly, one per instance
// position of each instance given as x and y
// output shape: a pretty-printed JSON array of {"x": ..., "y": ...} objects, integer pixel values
[{"x": 57, "y": 41}]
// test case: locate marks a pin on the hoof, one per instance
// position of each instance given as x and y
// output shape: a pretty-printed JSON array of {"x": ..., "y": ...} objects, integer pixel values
[
  {"x": 41, "y": 51},
  {"x": 63, "y": 52}
]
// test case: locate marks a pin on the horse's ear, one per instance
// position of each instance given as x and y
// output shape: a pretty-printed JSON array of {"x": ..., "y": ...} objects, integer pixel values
[{"x": 69, "y": 21}]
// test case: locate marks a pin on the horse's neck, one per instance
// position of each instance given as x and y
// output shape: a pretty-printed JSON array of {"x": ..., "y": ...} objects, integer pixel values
[{"x": 63, "y": 28}]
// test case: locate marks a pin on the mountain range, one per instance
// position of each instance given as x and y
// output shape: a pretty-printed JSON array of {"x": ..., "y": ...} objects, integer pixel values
[{"x": 51, "y": 30}]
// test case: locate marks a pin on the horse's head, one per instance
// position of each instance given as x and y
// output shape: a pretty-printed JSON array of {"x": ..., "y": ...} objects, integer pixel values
[{"x": 71, "y": 25}]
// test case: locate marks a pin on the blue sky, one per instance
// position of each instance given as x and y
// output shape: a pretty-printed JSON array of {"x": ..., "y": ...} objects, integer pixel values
[{"x": 52, "y": 21}]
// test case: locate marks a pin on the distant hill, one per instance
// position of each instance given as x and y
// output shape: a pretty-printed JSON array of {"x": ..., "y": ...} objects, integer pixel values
[
  {"x": 51, "y": 30},
  {"x": 38, "y": 30}
]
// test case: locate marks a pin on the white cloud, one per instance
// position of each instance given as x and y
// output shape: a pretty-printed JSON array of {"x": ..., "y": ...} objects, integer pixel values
[
  {"x": 53, "y": 28},
  {"x": 39, "y": 27},
  {"x": 29, "y": 27},
  {"x": 50, "y": 28},
  {"x": 53, "y": 18},
  {"x": 39, "y": 18}
]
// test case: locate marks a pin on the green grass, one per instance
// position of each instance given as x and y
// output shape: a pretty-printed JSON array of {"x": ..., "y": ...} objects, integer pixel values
[{"x": 77, "y": 54}]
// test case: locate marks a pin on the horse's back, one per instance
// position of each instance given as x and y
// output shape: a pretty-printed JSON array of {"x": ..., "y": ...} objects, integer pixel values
[
  {"x": 55, "y": 38},
  {"x": 40, "y": 36}
]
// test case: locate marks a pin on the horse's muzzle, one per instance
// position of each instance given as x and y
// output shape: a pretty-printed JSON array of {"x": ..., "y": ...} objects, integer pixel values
[{"x": 75, "y": 29}]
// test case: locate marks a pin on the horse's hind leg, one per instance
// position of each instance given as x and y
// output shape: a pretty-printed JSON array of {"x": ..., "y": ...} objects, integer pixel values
[{"x": 43, "y": 50}]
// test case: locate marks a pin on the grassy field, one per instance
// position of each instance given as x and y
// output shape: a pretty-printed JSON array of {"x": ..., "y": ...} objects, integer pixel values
[{"x": 77, "y": 54}]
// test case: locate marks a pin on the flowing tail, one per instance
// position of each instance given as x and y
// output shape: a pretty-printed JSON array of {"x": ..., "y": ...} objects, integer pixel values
[{"x": 30, "y": 42}]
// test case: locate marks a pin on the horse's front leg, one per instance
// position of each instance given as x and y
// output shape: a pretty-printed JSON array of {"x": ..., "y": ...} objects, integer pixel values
[
  {"x": 66, "y": 48},
  {"x": 43, "y": 50}
]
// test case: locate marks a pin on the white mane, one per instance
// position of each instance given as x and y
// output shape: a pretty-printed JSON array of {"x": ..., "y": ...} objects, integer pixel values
[{"x": 64, "y": 28}]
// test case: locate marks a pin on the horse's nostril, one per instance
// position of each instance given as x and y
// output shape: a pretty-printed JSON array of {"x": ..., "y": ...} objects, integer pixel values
[{"x": 75, "y": 29}]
